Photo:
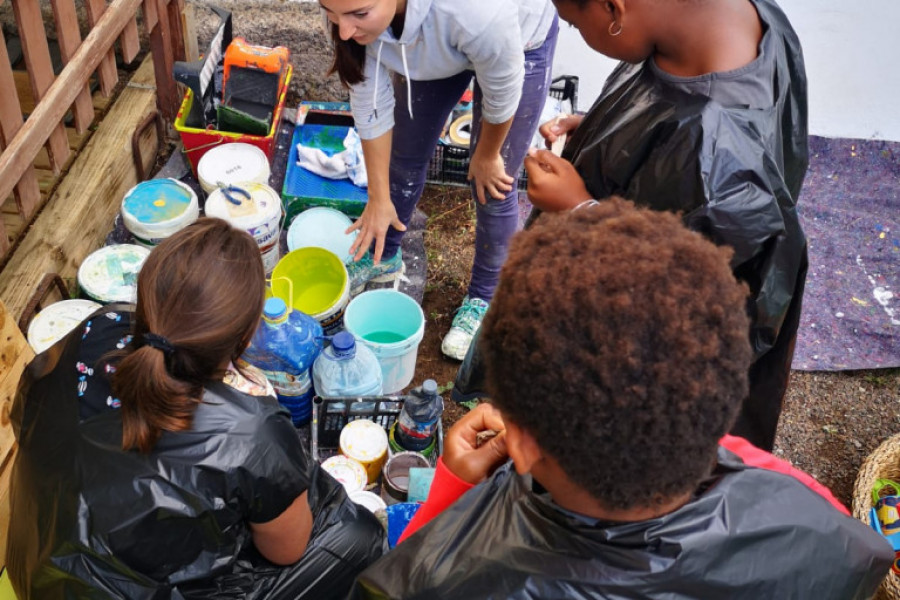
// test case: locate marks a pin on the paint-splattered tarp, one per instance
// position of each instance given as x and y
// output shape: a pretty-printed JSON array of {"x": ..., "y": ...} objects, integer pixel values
[{"x": 850, "y": 211}]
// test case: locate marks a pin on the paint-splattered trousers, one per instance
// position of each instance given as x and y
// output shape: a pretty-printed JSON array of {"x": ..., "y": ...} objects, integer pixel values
[{"x": 414, "y": 141}]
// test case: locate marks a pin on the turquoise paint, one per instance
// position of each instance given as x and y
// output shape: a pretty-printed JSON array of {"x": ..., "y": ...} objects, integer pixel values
[{"x": 157, "y": 201}]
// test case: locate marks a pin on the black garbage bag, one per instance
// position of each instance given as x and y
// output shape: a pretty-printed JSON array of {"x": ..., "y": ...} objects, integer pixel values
[
  {"x": 90, "y": 520},
  {"x": 747, "y": 534},
  {"x": 734, "y": 166}
]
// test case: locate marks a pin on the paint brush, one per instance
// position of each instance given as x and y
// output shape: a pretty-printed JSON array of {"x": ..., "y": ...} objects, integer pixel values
[
  {"x": 482, "y": 437},
  {"x": 557, "y": 146}
]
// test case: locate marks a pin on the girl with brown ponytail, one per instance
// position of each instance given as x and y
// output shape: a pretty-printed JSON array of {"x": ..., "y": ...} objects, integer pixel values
[{"x": 156, "y": 468}]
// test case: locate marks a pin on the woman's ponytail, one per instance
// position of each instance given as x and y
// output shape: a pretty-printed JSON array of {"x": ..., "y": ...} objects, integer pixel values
[{"x": 200, "y": 297}]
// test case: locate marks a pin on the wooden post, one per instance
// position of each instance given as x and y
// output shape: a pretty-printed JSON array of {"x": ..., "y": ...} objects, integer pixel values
[
  {"x": 40, "y": 70},
  {"x": 25, "y": 145},
  {"x": 15, "y": 354},
  {"x": 28, "y": 195},
  {"x": 109, "y": 77},
  {"x": 69, "y": 38},
  {"x": 163, "y": 58}
]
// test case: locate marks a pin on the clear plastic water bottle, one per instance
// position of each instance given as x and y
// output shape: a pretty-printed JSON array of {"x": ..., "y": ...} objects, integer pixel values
[
  {"x": 418, "y": 421},
  {"x": 347, "y": 369},
  {"x": 284, "y": 347}
]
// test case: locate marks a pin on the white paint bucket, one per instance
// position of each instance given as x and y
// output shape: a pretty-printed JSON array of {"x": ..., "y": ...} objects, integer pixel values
[
  {"x": 260, "y": 215},
  {"x": 322, "y": 227},
  {"x": 232, "y": 164},
  {"x": 110, "y": 273},
  {"x": 155, "y": 209},
  {"x": 392, "y": 324},
  {"x": 56, "y": 320}
]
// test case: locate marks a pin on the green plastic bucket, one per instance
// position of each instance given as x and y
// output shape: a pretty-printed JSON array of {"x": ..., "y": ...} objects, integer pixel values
[{"x": 392, "y": 325}]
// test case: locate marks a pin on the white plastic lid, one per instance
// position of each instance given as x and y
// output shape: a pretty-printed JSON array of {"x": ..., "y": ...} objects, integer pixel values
[
  {"x": 55, "y": 321},
  {"x": 363, "y": 440},
  {"x": 260, "y": 214},
  {"x": 231, "y": 164},
  {"x": 155, "y": 209},
  {"x": 369, "y": 500},
  {"x": 322, "y": 227},
  {"x": 110, "y": 273},
  {"x": 350, "y": 473}
]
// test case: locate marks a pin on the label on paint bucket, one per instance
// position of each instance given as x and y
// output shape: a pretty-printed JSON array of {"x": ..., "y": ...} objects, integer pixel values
[
  {"x": 259, "y": 215},
  {"x": 155, "y": 209},
  {"x": 232, "y": 164},
  {"x": 110, "y": 274}
]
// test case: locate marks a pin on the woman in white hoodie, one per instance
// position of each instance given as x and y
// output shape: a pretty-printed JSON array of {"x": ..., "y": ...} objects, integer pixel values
[{"x": 407, "y": 62}]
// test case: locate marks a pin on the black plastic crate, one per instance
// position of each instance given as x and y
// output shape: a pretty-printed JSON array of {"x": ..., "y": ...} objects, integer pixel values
[
  {"x": 329, "y": 416},
  {"x": 450, "y": 163}
]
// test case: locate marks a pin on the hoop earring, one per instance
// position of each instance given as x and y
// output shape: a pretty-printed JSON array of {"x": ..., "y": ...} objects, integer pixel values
[{"x": 616, "y": 32}]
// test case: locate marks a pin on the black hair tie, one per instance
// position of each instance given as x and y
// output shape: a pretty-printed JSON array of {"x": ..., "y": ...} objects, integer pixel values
[{"x": 159, "y": 342}]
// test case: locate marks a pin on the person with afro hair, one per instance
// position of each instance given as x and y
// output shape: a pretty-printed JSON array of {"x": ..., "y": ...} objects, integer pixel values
[{"x": 602, "y": 467}]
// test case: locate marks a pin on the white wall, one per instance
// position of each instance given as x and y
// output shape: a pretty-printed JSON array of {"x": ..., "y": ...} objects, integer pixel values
[{"x": 851, "y": 51}]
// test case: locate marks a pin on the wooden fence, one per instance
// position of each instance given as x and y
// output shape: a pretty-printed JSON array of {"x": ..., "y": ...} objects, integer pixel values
[{"x": 21, "y": 140}]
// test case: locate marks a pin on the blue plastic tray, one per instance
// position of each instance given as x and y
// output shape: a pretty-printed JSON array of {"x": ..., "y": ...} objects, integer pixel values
[{"x": 304, "y": 189}]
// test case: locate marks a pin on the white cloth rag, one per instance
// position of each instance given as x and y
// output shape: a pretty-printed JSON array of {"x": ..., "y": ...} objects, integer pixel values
[{"x": 348, "y": 163}]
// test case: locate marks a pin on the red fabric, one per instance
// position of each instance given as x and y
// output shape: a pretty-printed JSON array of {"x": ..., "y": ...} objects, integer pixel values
[
  {"x": 755, "y": 457},
  {"x": 445, "y": 489}
]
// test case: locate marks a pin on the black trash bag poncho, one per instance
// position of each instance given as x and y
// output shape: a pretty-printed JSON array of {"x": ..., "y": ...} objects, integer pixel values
[
  {"x": 90, "y": 520},
  {"x": 748, "y": 534},
  {"x": 733, "y": 170}
]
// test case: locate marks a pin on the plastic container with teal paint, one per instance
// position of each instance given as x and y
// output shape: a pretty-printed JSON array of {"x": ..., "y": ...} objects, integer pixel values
[
  {"x": 155, "y": 209},
  {"x": 392, "y": 324}
]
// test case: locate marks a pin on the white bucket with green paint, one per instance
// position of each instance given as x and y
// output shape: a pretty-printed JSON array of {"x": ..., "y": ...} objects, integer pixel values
[
  {"x": 392, "y": 325},
  {"x": 110, "y": 274},
  {"x": 155, "y": 209}
]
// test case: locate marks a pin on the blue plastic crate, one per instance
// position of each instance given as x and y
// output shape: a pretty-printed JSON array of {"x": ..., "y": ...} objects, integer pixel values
[{"x": 304, "y": 189}]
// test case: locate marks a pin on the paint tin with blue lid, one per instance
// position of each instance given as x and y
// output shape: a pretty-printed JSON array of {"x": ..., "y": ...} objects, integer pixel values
[
  {"x": 155, "y": 209},
  {"x": 110, "y": 273}
]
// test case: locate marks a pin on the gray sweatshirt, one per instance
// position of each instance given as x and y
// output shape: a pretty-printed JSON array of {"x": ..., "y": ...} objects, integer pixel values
[{"x": 442, "y": 38}]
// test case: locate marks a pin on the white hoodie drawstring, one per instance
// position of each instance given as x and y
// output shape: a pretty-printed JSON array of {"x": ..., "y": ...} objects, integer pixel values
[
  {"x": 405, "y": 74},
  {"x": 408, "y": 83},
  {"x": 377, "y": 71}
]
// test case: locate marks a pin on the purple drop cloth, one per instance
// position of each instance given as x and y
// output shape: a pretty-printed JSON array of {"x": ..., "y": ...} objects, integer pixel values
[{"x": 850, "y": 210}]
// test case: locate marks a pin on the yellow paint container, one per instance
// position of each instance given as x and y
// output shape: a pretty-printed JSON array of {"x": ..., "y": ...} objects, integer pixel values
[{"x": 365, "y": 442}]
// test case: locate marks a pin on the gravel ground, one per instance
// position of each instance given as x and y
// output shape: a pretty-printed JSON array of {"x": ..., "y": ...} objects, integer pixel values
[{"x": 831, "y": 420}]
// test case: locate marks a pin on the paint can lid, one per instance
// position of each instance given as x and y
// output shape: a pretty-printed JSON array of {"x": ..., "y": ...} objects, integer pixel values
[
  {"x": 157, "y": 208},
  {"x": 350, "y": 473},
  {"x": 56, "y": 320},
  {"x": 363, "y": 440},
  {"x": 258, "y": 207},
  {"x": 369, "y": 500},
  {"x": 231, "y": 164},
  {"x": 322, "y": 227},
  {"x": 110, "y": 273}
]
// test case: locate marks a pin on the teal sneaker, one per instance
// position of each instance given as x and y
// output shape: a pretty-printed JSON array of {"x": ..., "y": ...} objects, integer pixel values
[
  {"x": 466, "y": 322},
  {"x": 363, "y": 271}
]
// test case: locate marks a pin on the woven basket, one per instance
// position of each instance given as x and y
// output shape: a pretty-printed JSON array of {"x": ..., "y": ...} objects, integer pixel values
[{"x": 883, "y": 463}]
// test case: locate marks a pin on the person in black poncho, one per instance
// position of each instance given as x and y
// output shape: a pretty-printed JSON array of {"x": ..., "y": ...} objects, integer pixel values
[
  {"x": 610, "y": 475},
  {"x": 150, "y": 467}
]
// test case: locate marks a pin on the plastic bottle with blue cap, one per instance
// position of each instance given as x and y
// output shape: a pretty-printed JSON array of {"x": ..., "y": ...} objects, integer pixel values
[
  {"x": 346, "y": 368},
  {"x": 284, "y": 347}
]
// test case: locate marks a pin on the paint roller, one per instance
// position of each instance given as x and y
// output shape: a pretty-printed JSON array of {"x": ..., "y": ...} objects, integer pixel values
[{"x": 253, "y": 78}]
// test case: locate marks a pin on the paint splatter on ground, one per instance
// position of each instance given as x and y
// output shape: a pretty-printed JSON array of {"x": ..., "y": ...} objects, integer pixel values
[{"x": 850, "y": 210}]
